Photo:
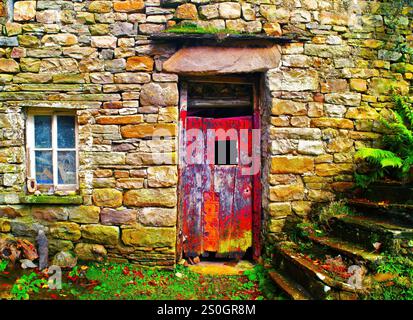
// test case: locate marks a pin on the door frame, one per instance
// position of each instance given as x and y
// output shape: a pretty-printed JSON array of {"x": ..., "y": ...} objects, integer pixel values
[{"x": 254, "y": 80}]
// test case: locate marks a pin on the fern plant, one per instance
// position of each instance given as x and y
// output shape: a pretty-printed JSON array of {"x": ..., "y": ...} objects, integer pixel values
[{"x": 395, "y": 158}]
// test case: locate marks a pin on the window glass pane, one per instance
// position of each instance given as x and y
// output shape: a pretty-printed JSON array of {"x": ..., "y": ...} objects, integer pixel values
[
  {"x": 65, "y": 132},
  {"x": 44, "y": 167},
  {"x": 226, "y": 152},
  {"x": 43, "y": 131},
  {"x": 66, "y": 167}
]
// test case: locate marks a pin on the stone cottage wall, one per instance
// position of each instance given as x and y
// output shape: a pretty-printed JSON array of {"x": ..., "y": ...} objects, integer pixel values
[{"x": 94, "y": 57}]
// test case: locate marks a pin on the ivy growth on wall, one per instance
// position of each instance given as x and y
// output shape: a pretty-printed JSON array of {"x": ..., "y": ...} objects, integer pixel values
[{"x": 394, "y": 158}]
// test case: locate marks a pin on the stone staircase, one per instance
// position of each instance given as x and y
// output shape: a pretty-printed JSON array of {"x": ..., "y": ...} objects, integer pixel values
[{"x": 302, "y": 272}]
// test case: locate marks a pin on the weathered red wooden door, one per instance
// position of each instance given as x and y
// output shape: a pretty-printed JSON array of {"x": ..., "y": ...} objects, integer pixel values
[{"x": 217, "y": 201}]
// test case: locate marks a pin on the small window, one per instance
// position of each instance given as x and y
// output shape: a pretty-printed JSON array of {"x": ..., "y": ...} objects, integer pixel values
[
  {"x": 226, "y": 152},
  {"x": 52, "y": 149}
]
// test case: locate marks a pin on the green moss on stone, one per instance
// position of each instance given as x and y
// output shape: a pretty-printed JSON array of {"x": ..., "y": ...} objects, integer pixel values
[
  {"x": 195, "y": 29},
  {"x": 49, "y": 199}
]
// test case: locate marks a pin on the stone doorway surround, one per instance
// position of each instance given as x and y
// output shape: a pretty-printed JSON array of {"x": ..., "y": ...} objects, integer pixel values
[{"x": 220, "y": 62}]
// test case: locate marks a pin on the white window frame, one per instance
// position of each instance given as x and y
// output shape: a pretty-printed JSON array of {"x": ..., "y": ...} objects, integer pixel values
[{"x": 30, "y": 147}]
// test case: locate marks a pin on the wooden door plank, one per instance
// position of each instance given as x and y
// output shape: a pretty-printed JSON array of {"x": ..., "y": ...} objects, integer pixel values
[
  {"x": 183, "y": 106},
  {"x": 241, "y": 235},
  {"x": 241, "y": 227},
  {"x": 224, "y": 182},
  {"x": 211, "y": 221},
  {"x": 256, "y": 182},
  {"x": 210, "y": 218}
]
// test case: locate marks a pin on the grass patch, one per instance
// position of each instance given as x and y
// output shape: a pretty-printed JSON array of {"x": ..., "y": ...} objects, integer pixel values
[
  {"x": 334, "y": 209},
  {"x": 113, "y": 281},
  {"x": 3, "y": 265},
  {"x": 120, "y": 281},
  {"x": 395, "y": 281},
  {"x": 195, "y": 29},
  {"x": 27, "y": 285}
]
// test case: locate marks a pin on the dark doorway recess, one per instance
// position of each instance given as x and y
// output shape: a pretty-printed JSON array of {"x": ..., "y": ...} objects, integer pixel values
[{"x": 220, "y": 100}]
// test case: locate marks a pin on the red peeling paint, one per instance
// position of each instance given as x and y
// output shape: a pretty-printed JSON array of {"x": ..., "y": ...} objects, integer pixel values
[{"x": 217, "y": 200}]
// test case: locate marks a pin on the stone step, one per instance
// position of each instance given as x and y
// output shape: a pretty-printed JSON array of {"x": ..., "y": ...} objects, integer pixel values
[
  {"x": 289, "y": 287},
  {"x": 394, "y": 212},
  {"x": 317, "y": 282},
  {"x": 387, "y": 191},
  {"x": 348, "y": 249},
  {"x": 217, "y": 268},
  {"x": 366, "y": 230}
]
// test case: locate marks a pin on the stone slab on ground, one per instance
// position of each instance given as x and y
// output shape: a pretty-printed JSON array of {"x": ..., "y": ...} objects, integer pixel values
[{"x": 222, "y": 268}]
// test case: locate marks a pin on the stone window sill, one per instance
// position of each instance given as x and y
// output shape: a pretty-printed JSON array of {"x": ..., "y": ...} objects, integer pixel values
[{"x": 51, "y": 199}]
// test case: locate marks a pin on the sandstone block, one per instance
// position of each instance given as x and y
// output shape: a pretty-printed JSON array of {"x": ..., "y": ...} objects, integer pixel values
[
  {"x": 84, "y": 214},
  {"x": 209, "y": 11},
  {"x": 332, "y": 169},
  {"x": 104, "y": 42},
  {"x": 129, "y": 6},
  {"x": 129, "y": 183},
  {"x": 49, "y": 213},
  {"x": 63, "y": 39},
  {"x": 162, "y": 176},
  {"x": 154, "y": 158},
  {"x": 362, "y": 113},
  {"x": 301, "y": 208},
  {"x": 187, "y": 11},
  {"x": 100, "y": 6},
  {"x": 159, "y": 94},
  {"x": 164, "y": 197},
  {"x": 149, "y": 237},
  {"x": 281, "y": 107},
  {"x": 157, "y": 217},
  {"x": 230, "y": 10},
  {"x": 100, "y": 234},
  {"x": 310, "y": 147},
  {"x": 130, "y": 77},
  {"x": 5, "y": 225},
  {"x": 118, "y": 217},
  {"x": 291, "y": 164},
  {"x": 272, "y": 29},
  {"x": 332, "y": 123},
  {"x": 99, "y": 158},
  {"x": 359, "y": 85},
  {"x": 65, "y": 231},
  {"x": 382, "y": 86},
  {"x": 149, "y": 130},
  {"x": 132, "y": 119},
  {"x": 107, "y": 198},
  {"x": 90, "y": 252},
  {"x": 347, "y": 99},
  {"x": 139, "y": 63},
  {"x": 287, "y": 192},
  {"x": 9, "y": 66},
  {"x": 280, "y": 209},
  {"x": 276, "y": 225},
  {"x": 294, "y": 80},
  {"x": 24, "y": 10}
]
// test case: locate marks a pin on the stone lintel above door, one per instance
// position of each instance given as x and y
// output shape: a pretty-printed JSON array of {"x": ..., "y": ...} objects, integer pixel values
[{"x": 217, "y": 60}]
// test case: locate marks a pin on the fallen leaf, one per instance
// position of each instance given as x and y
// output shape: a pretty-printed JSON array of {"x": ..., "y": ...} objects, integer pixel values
[{"x": 383, "y": 277}]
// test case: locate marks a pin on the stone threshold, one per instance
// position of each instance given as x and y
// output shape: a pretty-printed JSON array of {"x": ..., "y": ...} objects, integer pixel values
[{"x": 217, "y": 268}]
